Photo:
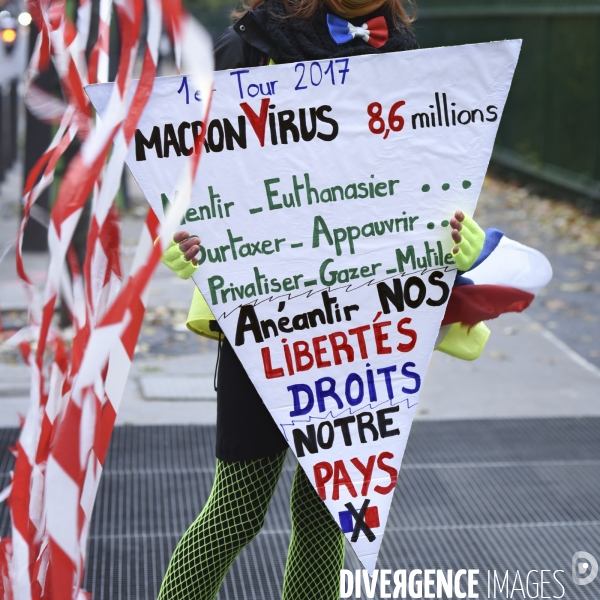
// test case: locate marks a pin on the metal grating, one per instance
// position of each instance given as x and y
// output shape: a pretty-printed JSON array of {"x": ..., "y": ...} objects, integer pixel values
[{"x": 504, "y": 495}]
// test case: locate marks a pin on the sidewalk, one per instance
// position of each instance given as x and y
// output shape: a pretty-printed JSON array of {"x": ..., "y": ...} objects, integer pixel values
[{"x": 525, "y": 372}]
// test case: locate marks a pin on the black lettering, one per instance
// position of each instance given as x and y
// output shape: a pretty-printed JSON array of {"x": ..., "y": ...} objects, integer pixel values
[
  {"x": 306, "y": 134},
  {"x": 215, "y": 146},
  {"x": 386, "y": 295},
  {"x": 423, "y": 119},
  {"x": 343, "y": 425},
  {"x": 492, "y": 111},
  {"x": 328, "y": 302},
  {"x": 181, "y": 135},
  {"x": 247, "y": 321},
  {"x": 334, "y": 126},
  {"x": 198, "y": 136},
  {"x": 141, "y": 143},
  {"x": 418, "y": 283},
  {"x": 474, "y": 112},
  {"x": 273, "y": 128},
  {"x": 436, "y": 279},
  {"x": 301, "y": 440},
  {"x": 365, "y": 421},
  {"x": 170, "y": 139},
  {"x": 383, "y": 421},
  {"x": 283, "y": 325},
  {"x": 312, "y": 317},
  {"x": 286, "y": 123},
  {"x": 232, "y": 135},
  {"x": 468, "y": 117},
  {"x": 266, "y": 325},
  {"x": 330, "y": 436},
  {"x": 348, "y": 311}
]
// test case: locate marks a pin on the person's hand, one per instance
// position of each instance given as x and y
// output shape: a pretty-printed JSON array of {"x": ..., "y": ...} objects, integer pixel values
[
  {"x": 469, "y": 239},
  {"x": 189, "y": 246},
  {"x": 180, "y": 256}
]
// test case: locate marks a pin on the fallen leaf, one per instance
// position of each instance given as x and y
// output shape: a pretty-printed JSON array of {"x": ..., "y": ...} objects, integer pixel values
[
  {"x": 581, "y": 286},
  {"x": 555, "y": 304}
]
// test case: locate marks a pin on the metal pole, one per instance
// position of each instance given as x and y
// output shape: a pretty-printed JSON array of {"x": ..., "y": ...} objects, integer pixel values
[
  {"x": 3, "y": 166},
  {"x": 14, "y": 120},
  {"x": 37, "y": 139}
]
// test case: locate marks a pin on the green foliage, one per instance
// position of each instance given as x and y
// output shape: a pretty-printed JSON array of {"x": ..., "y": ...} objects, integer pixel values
[
  {"x": 550, "y": 124},
  {"x": 195, "y": 6},
  {"x": 213, "y": 14}
]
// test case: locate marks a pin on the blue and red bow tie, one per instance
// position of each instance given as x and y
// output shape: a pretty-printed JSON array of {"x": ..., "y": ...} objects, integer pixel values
[{"x": 374, "y": 31}]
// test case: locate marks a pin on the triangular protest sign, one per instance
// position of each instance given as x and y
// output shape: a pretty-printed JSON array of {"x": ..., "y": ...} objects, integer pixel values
[{"x": 322, "y": 201}]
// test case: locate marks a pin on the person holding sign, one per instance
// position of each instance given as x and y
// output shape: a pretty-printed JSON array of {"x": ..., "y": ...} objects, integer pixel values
[{"x": 250, "y": 448}]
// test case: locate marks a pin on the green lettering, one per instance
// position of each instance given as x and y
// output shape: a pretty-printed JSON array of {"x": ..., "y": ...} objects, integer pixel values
[
  {"x": 191, "y": 215},
  {"x": 215, "y": 283},
  {"x": 379, "y": 187},
  {"x": 320, "y": 228},
  {"x": 403, "y": 259},
  {"x": 272, "y": 193},
  {"x": 324, "y": 266},
  {"x": 351, "y": 188},
  {"x": 326, "y": 195}
]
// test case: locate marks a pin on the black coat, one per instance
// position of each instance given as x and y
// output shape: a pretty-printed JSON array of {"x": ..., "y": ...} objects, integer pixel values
[
  {"x": 265, "y": 32},
  {"x": 245, "y": 429}
]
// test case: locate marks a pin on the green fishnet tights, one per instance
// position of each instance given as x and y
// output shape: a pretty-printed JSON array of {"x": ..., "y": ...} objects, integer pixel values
[
  {"x": 234, "y": 514},
  {"x": 316, "y": 552}
]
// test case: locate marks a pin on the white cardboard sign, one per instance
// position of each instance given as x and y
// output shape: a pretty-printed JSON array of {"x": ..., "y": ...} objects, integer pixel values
[{"x": 322, "y": 201}]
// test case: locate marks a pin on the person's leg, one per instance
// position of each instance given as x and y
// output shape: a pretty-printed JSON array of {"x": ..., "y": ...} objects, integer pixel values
[
  {"x": 316, "y": 553},
  {"x": 234, "y": 513}
]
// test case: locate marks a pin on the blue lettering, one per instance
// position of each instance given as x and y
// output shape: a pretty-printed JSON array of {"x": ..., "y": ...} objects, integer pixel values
[
  {"x": 323, "y": 393},
  {"x": 388, "y": 380},
  {"x": 239, "y": 76},
  {"x": 352, "y": 378},
  {"x": 411, "y": 375},
  {"x": 298, "y": 410}
]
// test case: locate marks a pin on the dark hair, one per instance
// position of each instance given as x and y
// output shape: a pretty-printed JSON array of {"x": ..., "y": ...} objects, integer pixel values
[{"x": 305, "y": 9}]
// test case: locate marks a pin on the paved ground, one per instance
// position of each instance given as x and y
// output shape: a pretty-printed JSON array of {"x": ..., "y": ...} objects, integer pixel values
[
  {"x": 492, "y": 495},
  {"x": 570, "y": 306},
  {"x": 540, "y": 364}
]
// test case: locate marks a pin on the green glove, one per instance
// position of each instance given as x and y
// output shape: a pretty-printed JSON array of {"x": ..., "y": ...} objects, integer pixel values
[
  {"x": 461, "y": 341},
  {"x": 471, "y": 245},
  {"x": 174, "y": 258}
]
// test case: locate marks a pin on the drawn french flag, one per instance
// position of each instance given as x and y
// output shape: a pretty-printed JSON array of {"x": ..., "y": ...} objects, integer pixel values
[{"x": 348, "y": 522}]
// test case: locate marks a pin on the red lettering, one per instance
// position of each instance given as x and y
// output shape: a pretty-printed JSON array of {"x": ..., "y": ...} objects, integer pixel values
[
  {"x": 410, "y": 333},
  {"x": 380, "y": 337},
  {"x": 359, "y": 332},
  {"x": 270, "y": 372},
  {"x": 323, "y": 473},
  {"x": 340, "y": 346},
  {"x": 320, "y": 351},
  {"x": 258, "y": 122},
  {"x": 341, "y": 477},
  {"x": 288, "y": 357},
  {"x": 302, "y": 350},
  {"x": 389, "y": 470},
  {"x": 366, "y": 472}
]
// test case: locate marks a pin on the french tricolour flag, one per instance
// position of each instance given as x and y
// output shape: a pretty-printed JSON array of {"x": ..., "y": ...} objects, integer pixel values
[{"x": 506, "y": 278}]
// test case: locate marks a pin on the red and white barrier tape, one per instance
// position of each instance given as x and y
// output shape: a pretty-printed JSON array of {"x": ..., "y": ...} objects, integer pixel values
[{"x": 66, "y": 432}]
